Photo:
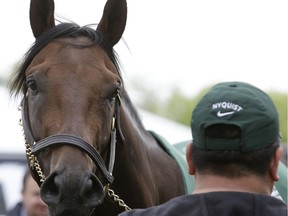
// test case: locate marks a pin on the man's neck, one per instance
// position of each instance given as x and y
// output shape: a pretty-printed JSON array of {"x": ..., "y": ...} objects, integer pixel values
[{"x": 251, "y": 184}]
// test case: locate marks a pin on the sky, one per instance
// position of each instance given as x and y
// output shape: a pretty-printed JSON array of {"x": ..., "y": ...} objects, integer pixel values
[{"x": 185, "y": 44}]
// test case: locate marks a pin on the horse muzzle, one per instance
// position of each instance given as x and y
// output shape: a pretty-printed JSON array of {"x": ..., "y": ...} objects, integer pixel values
[{"x": 72, "y": 193}]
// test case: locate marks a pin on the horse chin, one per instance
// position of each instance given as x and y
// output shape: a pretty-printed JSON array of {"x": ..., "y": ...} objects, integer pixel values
[{"x": 77, "y": 210}]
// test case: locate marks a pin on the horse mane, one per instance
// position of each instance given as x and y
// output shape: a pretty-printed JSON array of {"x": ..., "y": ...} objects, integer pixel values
[
  {"x": 17, "y": 81},
  {"x": 67, "y": 29}
]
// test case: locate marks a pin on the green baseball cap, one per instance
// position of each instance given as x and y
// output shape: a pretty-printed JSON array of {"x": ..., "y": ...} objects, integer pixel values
[{"x": 239, "y": 104}]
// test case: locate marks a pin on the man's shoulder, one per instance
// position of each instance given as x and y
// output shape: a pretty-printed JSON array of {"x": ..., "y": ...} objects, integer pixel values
[
  {"x": 216, "y": 203},
  {"x": 242, "y": 203},
  {"x": 174, "y": 207}
]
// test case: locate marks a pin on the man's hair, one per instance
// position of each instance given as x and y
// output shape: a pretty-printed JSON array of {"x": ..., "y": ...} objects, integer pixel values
[{"x": 232, "y": 164}]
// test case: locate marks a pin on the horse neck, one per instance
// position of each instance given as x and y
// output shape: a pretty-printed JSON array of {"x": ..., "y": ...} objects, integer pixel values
[
  {"x": 137, "y": 138},
  {"x": 136, "y": 155},
  {"x": 138, "y": 162}
]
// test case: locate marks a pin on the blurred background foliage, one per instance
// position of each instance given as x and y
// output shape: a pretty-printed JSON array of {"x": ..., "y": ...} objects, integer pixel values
[{"x": 178, "y": 106}]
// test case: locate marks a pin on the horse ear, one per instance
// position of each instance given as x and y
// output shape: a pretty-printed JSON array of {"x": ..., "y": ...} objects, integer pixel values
[
  {"x": 41, "y": 16},
  {"x": 113, "y": 21}
]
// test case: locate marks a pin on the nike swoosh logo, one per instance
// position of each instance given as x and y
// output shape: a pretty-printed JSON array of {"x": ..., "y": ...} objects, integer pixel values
[{"x": 220, "y": 114}]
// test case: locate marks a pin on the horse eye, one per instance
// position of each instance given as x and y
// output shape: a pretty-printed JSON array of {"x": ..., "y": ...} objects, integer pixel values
[
  {"x": 113, "y": 95},
  {"x": 115, "y": 92},
  {"x": 32, "y": 84}
]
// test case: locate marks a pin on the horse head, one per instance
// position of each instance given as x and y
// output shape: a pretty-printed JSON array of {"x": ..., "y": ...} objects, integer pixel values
[
  {"x": 75, "y": 110},
  {"x": 72, "y": 86}
]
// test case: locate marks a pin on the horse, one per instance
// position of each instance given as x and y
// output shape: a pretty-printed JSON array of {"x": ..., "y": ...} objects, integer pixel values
[{"x": 85, "y": 143}]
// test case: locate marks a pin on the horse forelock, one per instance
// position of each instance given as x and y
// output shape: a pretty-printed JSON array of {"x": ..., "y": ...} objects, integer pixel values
[{"x": 17, "y": 80}]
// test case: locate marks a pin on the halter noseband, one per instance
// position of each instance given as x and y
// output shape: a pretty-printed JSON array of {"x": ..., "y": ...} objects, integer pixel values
[{"x": 33, "y": 147}]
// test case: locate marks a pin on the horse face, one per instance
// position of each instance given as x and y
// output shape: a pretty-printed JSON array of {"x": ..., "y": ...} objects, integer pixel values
[{"x": 71, "y": 89}]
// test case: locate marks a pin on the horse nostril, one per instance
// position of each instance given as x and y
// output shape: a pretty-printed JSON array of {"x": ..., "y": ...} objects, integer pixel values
[
  {"x": 92, "y": 190},
  {"x": 50, "y": 189},
  {"x": 86, "y": 187}
]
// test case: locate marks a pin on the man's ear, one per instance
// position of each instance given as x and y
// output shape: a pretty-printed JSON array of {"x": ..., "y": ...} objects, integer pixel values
[
  {"x": 275, "y": 162},
  {"x": 189, "y": 150}
]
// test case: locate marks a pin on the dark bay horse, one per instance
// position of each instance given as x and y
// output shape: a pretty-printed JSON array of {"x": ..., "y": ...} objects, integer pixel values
[{"x": 78, "y": 120}]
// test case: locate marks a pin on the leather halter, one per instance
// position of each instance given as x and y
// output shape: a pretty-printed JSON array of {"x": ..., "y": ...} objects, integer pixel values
[{"x": 67, "y": 139}]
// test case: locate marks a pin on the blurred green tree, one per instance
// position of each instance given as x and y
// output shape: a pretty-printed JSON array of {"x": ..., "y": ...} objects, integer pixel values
[{"x": 178, "y": 107}]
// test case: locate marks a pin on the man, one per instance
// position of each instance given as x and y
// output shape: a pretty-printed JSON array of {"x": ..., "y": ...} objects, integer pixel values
[
  {"x": 31, "y": 204},
  {"x": 234, "y": 156}
]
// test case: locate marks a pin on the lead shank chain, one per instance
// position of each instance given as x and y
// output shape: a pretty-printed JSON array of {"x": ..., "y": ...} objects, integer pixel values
[
  {"x": 116, "y": 199},
  {"x": 33, "y": 160}
]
